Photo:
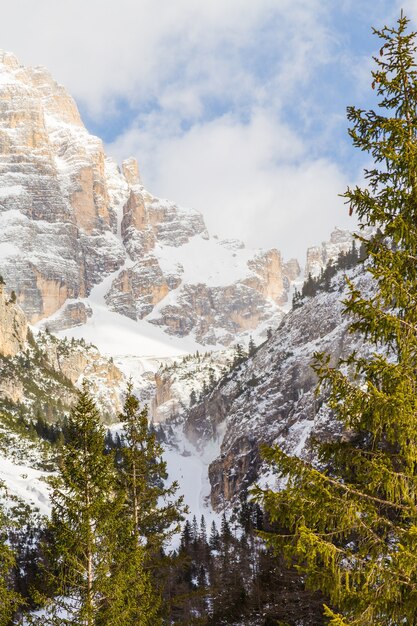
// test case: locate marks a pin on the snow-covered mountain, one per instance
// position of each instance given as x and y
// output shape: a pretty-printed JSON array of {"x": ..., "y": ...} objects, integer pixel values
[
  {"x": 83, "y": 242},
  {"x": 92, "y": 255}
]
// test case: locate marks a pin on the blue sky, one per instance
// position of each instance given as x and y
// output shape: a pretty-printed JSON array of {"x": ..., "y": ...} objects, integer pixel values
[{"x": 234, "y": 107}]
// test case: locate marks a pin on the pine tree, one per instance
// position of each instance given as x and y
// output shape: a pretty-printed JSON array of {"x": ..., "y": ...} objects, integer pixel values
[
  {"x": 83, "y": 524},
  {"x": 203, "y": 531},
  {"x": 9, "y": 599},
  {"x": 214, "y": 541},
  {"x": 186, "y": 536},
  {"x": 352, "y": 527},
  {"x": 151, "y": 514},
  {"x": 194, "y": 530},
  {"x": 239, "y": 355},
  {"x": 193, "y": 397}
]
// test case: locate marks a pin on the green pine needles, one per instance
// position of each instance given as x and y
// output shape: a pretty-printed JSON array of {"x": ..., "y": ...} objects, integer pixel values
[
  {"x": 352, "y": 527},
  {"x": 10, "y": 600},
  {"x": 83, "y": 527},
  {"x": 111, "y": 515}
]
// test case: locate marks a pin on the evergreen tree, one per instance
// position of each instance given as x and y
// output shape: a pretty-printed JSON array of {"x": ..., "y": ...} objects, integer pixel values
[
  {"x": 214, "y": 541},
  {"x": 193, "y": 397},
  {"x": 83, "y": 523},
  {"x": 203, "y": 530},
  {"x": 352, "y": 527},
  {"x": 151, "y": 514},
  {"x": 9, "y": 599},
  {"x": 239, "y": 355},
  {"x": 225, "y": 532},
  {"x": 194, "y": 530},
  {"x": 186, "y": 536}
]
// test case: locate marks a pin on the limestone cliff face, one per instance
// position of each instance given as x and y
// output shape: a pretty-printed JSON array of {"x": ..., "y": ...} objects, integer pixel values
[
  {"x": 130, "y": 171},
  {"x": 70, "y": 218},
  {"x": 55, "y": 203},
  {"x": 72, "y": 314},
  {"x": 269, "y": 280},
  {"x": 319, "y": 256},
  {"x": 137, "y": 290},
  {"x": 291, "y": 270},
  {"x": 178, "y": 385},
  {"x": 13, "y": 325},
  {"x": 144, "y": 216},
  {"x": 215, "y": 314},
  {"x": 165, "y": 404}
]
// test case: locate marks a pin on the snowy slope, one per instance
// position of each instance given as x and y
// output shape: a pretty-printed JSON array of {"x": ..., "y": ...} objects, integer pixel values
[{"x": 270, "y": 397}]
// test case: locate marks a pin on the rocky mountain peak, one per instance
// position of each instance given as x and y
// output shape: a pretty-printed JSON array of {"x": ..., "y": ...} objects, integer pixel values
[
  {"x": 9, "y": 60},
  {"x": 319, "y": 256},
  {"x": 130, "y": 169},
  {"x": 71, "y": 219}
]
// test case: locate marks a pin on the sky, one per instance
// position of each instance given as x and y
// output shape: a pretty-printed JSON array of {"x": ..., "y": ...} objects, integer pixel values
[{"x": 234, "y": 107}]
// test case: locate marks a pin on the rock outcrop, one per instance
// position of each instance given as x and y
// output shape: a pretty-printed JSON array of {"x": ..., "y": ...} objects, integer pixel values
[
  {"x": 37, "y": 371},
  {"x": 13, "y": 325},
  {"x": 72, "y": 314},
  {"x": 77, "y": 361},
  {"x": 319, "y": 256}
]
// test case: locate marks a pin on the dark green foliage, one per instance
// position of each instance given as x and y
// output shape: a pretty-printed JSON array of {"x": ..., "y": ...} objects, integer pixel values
[
  {"x": 193, "y": 397},
  {"x": 151, "y": 513},
  {"x": 42, "y": 386},
  {"x": 353, "y": 527},
  {"x": 142, "y": 473},
  {"x": 233, "y": 579},
  {"x": 83, "y": 525},
  {"x": 10, "y": 600},
  {"x": 47, "y": 431},
  {"x": 240, "y": 355}
]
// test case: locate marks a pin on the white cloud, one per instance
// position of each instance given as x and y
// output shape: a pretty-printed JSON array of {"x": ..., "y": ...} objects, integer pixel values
[
  {"x": 251, "y": 180},
  {"x": 138, "y": 50}
]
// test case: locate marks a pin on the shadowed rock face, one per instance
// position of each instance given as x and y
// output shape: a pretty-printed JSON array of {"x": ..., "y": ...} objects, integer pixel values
[
  {"x": 13, "y": 326},
  {"x": 203, "y": 310},
  {"x": 270, "y": 398},
  {"x": 69, "y": 218}
]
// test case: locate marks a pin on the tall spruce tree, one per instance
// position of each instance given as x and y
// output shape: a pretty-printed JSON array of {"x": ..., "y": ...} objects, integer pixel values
[
  {"x": 352, "y": 527},
  {"x": 84, "y": 522},
  {"x": 152, "y": 512},
  {"x": 9, "y": 599}
]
